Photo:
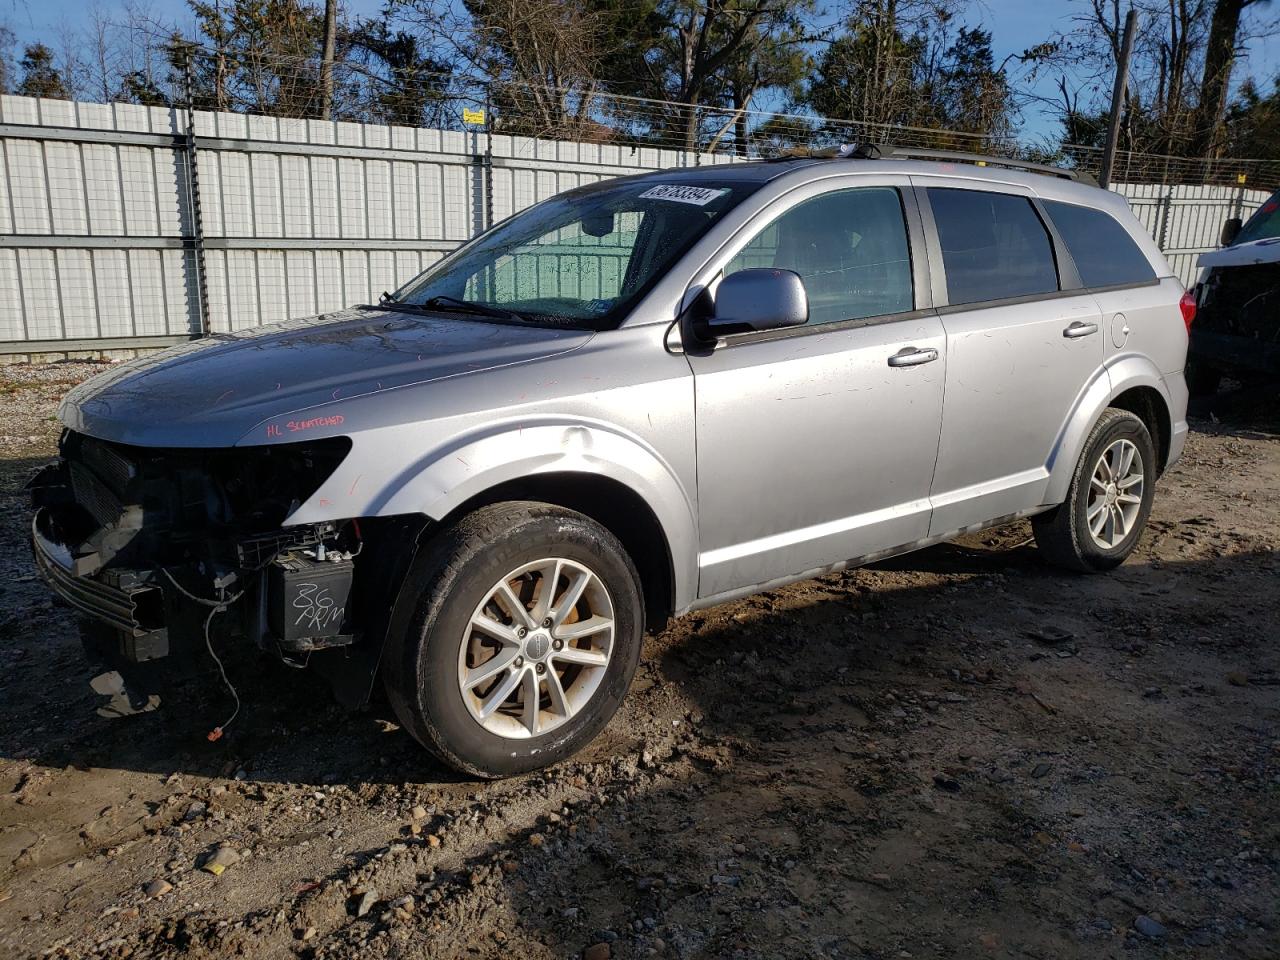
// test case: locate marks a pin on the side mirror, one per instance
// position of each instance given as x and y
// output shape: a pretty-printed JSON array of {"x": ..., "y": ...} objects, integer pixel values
[
  {"x": 761, "y": 298},
  {"x": 1231, "y": 230}
]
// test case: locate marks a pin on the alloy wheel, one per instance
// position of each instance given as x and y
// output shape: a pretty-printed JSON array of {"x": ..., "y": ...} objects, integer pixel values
[
  {"x": 1115, "y": 494},
  {"x": 536, "y": 648}
]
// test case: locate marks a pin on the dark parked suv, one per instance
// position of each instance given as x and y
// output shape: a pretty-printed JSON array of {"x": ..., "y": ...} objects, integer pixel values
[{"x": 1237, "y": 330}]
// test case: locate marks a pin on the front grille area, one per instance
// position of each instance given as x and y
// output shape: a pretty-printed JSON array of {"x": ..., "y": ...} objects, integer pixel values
[
  {"x": 108, "y": 463},
  {"x": 101, "y": 476},
  {"x": 94, "y": 495}
]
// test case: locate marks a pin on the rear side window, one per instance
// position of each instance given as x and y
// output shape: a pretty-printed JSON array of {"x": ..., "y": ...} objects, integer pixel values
[
  {"x": 993, "y": 246},
  {"x": 1104, "y": 252}
]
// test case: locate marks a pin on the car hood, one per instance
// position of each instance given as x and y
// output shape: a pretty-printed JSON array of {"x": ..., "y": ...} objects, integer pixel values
[
  {"x": 1266, "y": 250},
  {"x": 212, "y": 392}
]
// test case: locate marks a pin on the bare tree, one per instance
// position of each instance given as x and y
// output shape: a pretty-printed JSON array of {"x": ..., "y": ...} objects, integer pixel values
[
  {"x": 705, "y": 39},
  {"x": 541, "y": 60},
  {"x": 1219, "y": 59},
  {"x": 101, "y": 56},
  {"x": 1160, "y": 97}
]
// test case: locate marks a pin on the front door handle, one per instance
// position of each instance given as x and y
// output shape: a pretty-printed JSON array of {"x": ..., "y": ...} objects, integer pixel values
[
  {"x": 1079, "y": 329},
  {"x": 911, "y": 357}
]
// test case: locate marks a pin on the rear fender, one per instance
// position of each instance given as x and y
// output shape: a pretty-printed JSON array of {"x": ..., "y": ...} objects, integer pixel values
[{"x": 1121, "y": 374}]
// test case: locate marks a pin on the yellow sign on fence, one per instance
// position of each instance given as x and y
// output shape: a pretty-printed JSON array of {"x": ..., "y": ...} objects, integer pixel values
[{"x": 472, "y": 116}]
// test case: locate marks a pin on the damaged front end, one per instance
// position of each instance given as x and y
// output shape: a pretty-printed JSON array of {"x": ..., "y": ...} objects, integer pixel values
[
  {"x": 166, "y": 551},
  {"x": 1237, "y": 326}
]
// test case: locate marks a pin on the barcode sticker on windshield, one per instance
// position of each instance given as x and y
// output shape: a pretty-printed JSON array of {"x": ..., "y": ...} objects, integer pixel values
[{"x": 699, "y": 196}]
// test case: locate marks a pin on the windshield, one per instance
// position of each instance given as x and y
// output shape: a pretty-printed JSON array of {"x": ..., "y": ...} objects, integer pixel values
[
  {"x": 1264, "y": 223},
  {"x": 581, "y": 259}
]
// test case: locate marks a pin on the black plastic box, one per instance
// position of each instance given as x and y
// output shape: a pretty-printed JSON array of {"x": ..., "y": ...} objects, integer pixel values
[{"x": 307, "y": 598}]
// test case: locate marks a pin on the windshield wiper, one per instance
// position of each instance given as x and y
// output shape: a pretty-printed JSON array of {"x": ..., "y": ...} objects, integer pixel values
[
  {"x": 469, "y": 306},
  {"x": 458, "y": 305}
]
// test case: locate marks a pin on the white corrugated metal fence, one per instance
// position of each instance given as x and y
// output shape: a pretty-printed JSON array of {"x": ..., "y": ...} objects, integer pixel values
[{"x": 107, "y": 241}]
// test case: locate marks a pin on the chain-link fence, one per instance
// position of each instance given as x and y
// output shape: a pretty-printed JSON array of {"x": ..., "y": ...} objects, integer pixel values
[{"x": 365, "y": 91}]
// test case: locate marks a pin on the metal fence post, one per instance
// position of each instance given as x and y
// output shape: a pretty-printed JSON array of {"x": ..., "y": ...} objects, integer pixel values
[
  {"x": 488, "y": 156},
  {"x": 1237, "y": 206},
  {"x": 193, "y": 239},
  {"x": 1166, "y": 204}
]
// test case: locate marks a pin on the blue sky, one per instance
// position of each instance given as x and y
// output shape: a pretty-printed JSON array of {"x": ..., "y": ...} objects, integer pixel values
[{"x": 1014, "y": 24}]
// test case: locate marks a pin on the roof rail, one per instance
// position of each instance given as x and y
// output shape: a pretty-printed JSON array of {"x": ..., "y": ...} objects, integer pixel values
[{"x": 888, "y": 151}]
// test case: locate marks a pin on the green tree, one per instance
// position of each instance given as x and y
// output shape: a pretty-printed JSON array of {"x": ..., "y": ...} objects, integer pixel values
[
  {"x": 898, "y": 63},
  {"x": 1252, "y": 124},
  {"x": 868, "y": 72},
  {"x": 6, "y": 58},
  {"x": 265, "y": 57},
  {"x": 402, "y": 84},
  {"x": 972, "y": 95},
  {"x": 713, "y": 53},
  {"x": 40, "y": 77}
]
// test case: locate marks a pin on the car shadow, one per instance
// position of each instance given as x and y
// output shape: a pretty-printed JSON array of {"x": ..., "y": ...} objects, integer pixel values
[{"x": 1249, "y": 409}]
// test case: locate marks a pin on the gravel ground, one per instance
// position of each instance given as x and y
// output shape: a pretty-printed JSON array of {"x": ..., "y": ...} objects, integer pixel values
[{"x": 960, "y": 753}]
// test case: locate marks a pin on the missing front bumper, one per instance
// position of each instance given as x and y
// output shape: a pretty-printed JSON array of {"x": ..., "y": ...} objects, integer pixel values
[{"x": 124, "y": 600}]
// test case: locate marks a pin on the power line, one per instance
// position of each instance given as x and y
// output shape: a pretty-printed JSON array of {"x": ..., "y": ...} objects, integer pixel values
[{"x": 602, "y": 115}]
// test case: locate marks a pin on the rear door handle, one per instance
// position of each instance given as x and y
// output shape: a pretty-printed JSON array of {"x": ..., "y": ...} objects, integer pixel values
[
  {"x": 911, "y": 357},
  {"x": 1079, "y": 329}
]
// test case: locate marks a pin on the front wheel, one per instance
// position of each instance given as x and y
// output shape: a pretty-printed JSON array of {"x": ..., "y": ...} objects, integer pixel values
[
  {"x": 525, "y": 635},
  {"x": 1109, "y": 499}
]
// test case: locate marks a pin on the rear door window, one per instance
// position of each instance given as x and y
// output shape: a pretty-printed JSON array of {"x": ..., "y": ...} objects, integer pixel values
[
  {"x": 993, "y": 245},
  {"x": 1103, "y": 251}
]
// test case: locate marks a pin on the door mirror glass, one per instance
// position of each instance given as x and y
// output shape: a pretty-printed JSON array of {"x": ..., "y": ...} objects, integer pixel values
[
  {"x": 1231, "y": 230},
  {"x": 759, "y": 298}
]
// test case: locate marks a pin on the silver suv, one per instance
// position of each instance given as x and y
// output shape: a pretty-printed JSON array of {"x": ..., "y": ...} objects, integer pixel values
[{"x": 638, "y": 398}]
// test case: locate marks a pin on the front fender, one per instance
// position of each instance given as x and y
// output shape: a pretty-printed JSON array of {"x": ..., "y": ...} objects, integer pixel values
[
  {"x": 1120, "y": 374},
  {"x": 442, "y": 479}
]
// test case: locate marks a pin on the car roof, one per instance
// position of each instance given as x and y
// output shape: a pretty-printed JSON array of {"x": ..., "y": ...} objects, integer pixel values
[
  {"x": 746, "y": 171},
  {"x": 794, "y": 171},
  {"x": 763, "y": 171},
  {"x": 766, "y": 170}
]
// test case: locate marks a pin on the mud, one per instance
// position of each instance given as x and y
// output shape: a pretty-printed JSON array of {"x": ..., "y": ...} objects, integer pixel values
[{"x": 960, "y": 753}]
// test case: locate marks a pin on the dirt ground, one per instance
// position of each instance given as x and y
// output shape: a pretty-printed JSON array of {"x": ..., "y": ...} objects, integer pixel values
[{"x": 961, "y": 753}]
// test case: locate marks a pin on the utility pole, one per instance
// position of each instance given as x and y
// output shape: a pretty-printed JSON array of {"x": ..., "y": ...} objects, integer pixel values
[
  {"x": 220, "y": 62},
  {"x": 1117, "y": 98},
  {"x": 326, "y": 58}
]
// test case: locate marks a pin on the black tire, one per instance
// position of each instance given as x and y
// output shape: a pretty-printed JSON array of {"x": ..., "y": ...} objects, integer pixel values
[
  {"x": 1202, "y": 379},
  {"x": 1063, "y": 534},
  {"x": 450, "y": 578}
]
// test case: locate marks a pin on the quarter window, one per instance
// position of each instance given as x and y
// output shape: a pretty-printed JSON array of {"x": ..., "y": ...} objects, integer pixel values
[
  {"x": 849, "y": 247},
  {"x": 1103, "y": 251},
  {"x": 993, "y": 245}
]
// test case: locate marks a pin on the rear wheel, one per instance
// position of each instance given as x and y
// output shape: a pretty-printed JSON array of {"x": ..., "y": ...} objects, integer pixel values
[
  {"x": 1109, "y": 499},
  {"x": 525, "y": 635}
]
